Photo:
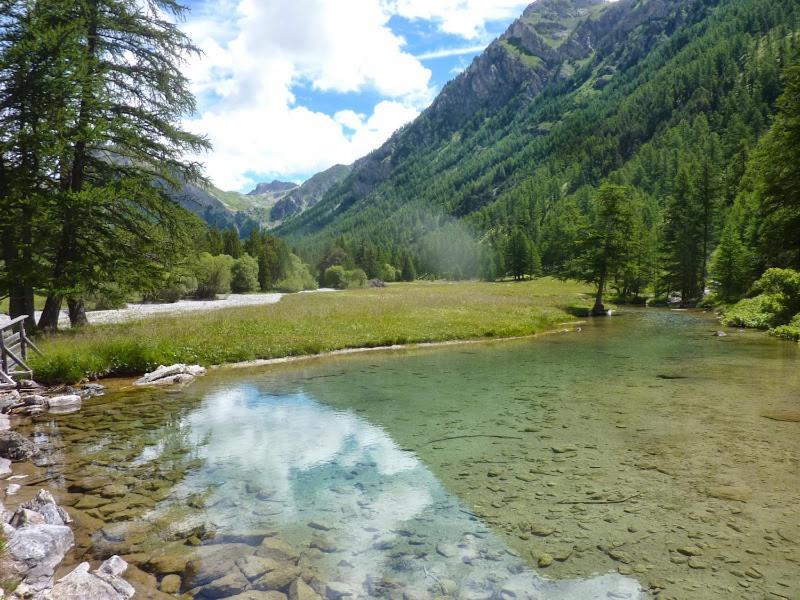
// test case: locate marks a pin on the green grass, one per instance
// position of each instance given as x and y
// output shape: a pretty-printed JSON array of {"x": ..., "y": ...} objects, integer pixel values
[
  {"x": 310, "y": 324},
  {"x": 37, "y": 300}
]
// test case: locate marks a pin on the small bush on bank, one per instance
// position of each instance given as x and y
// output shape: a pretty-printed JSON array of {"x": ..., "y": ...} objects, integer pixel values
[
  {"x": 790, "y": 331},
  {"x": 340, "y": 278},
  {"x": 172, "y": 289},
  {"x": 214, "y": 274},
  {"x": 775, "y": 308},
  {"x": 298, "y": 277},
  {"x": 244, "y": 274}
]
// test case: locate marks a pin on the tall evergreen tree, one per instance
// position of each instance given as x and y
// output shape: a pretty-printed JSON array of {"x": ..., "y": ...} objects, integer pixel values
[
  {"x": 129, "y": 96},
  {"x": 683, "y": 238}
]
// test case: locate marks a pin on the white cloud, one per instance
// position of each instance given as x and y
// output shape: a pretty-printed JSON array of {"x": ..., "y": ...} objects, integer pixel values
[
  {"x": 465, "y": 18},
  {"x": 259, "y": 54}
]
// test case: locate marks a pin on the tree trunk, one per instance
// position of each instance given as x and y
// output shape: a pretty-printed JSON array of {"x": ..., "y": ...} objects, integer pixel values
[
  {"x": 77, "y": 312},
  {"x": 599, "y": 310},
  {"x": 52, "y": 310}
]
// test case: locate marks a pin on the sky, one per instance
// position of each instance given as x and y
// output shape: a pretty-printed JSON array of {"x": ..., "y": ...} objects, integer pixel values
[{"x": 288, "y": 88}]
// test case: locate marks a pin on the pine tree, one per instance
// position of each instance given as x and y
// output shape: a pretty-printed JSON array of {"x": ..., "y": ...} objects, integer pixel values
[
  {"x": 129, "y": 96},
  {"x": 683, "y": 238},
  {"x": 731, "y": 266},
  {"x": 608, "y": 241}
]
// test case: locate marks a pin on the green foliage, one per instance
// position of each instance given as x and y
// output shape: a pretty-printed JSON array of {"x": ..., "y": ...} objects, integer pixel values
[
  {"x": 296, "y": 277},
  {"x": 788, "y": 332},
  {"x": 675, "y": 124},
  {"x": 520, "y": 255},
  {"x": 214, "y": 274},
  {"x": 731, "y": 267},
  {"x": 340, "y": 278},
  {"x": 172, "y": 288},
  {"x": 409, "y": 271},
  {"x": 231, "y": 243},
  {"x": 776, "y": 304},
  {"x": 244, "y": 274}
]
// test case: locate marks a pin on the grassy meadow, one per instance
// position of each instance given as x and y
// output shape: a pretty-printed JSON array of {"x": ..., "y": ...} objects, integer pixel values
[{"x": 310, "y": 324}]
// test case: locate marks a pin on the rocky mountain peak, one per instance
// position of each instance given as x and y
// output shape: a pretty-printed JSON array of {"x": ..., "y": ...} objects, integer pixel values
[{"x": 272, "y": 187}]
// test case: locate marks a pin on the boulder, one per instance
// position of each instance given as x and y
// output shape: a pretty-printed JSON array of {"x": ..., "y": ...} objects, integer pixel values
[
  {"x": 171, "y": 584},
  {"x": 104, "y": 583},
  {"x": 37, "y": 550},
  {"x": 8, "y": 399},
  {"x": 44, "y": 504},
  {"x": 64, "y": 404},
  {"x": 300, "y": 590},
  {"x": 178, "y": 373},
  {"x": 229, "y": 585},
  {"x": 15, "y": 447}
]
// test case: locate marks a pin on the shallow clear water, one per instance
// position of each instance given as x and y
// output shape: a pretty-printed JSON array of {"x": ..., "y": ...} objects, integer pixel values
[{"x": 630, "y": 453}]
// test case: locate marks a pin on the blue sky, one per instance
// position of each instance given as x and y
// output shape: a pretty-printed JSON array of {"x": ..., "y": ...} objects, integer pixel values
[{"x": 287, "y": 88}]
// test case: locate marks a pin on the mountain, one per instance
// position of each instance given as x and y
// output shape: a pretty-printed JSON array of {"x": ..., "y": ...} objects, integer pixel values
[
  {"x": 575, "y": 93},
  {"x": 265, "y": 207},
  {"x": 299, "y": 199},
  {"x": 273, "y": 186}
]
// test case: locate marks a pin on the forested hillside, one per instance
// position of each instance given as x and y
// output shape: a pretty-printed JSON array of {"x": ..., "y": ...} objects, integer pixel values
[{"x": 666, "y": 99}]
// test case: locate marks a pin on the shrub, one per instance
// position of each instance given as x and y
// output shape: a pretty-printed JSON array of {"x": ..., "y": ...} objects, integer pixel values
[
  {"x": 790, "y": 331},
  {"x": 356, "y": 278},
  {"x": 244, "y": 274},
  {"x": 214, "y": 274},
  {"x": 109, "y": 297},
  {"x": 388, "y": 273},
  {"x": 339, "y": 278},
  {"x": 335, "y": 277},
  {"x": 297, "y": 278},
  {"x": 779, "y": 300},
  {"x": 173, "y": 289}
]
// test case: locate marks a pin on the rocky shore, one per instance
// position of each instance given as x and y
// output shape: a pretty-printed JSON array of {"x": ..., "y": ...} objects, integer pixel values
[{"x": 37, "y": 534}]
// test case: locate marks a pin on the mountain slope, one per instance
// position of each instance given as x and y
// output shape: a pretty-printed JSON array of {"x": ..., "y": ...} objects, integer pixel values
[{"x": 575, "y": 92}]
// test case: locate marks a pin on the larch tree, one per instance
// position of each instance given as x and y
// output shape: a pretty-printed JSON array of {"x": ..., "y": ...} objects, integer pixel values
[{"x": 129, "y": 98}]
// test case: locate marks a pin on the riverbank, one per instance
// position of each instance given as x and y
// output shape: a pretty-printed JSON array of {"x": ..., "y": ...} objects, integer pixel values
[{"x": 310, "y": 324}]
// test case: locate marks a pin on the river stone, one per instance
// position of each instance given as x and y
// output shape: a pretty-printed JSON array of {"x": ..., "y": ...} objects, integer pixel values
[
  {"x": 792, "y": 416},
  {"x": 171, "y": 584},
  {"x": 8, "y": 399},
  {"x": 214, "y": 562},
  {"x": 279, "y": 579},
  {"x": 91, "y": 501},
  {"x": 15, "y": 447},
  {"x": 254, "y": 566},
  {"x": 39, "y": 549},
  {"x": 277, "y": 550},
  {"x": 178, "y": 373},
  {"x": 63, "y": 404},
  {"x": 730, "y": 492},
  {"x": 25, "y": 516},
  {"x": 337, "y": 589},
  {"x": 105, "y": 583},
  {"x": 44, "y": 504},
  {"x": 300, "y": 590},
  {"x": 258, "y": 595},
  {"x": 172, "y": 559},
  {"x": 231, "y": 584},
  {"x": 5, "y": 423},
  {"x": 5, "y": 466}
]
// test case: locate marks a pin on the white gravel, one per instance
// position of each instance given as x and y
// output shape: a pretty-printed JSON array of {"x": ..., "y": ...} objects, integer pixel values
[{"x": 133, "y": 312}]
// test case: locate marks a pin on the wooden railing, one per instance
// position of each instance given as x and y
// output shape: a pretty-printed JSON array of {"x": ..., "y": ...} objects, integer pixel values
[{"x": 14, "y": 344}]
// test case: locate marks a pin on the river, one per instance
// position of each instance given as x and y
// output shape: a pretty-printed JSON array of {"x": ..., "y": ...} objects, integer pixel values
[{"x": 625, "y": 460}]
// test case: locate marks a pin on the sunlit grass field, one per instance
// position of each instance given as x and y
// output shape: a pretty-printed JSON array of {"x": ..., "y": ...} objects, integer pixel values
[{"x": 312, "y": 323}]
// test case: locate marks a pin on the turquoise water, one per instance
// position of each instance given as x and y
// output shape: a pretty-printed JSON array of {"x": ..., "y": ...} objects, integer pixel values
[{"x": 579, "y": 465}]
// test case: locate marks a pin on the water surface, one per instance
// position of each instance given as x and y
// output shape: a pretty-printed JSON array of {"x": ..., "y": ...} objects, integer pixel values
[{"x": 582, "y": 465}]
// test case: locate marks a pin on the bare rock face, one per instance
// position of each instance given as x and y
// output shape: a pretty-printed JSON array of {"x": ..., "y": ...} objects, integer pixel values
[
  {"x": 104, "y": 583},
  {"x": 15, "y": 447}
]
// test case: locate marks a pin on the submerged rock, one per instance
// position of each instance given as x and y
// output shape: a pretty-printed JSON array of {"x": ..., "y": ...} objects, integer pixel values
[
  {"x": 15, "y": 447},
  {"x": 173, "y": 374}
]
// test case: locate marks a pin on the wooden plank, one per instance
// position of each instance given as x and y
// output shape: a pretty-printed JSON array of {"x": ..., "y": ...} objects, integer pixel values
[
  {"x": 13, "y": 322},
  {"x": 17, "y": 360}
]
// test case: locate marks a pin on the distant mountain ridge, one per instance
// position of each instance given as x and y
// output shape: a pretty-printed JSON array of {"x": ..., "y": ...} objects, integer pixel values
[{"x": 265, "y": 207}]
